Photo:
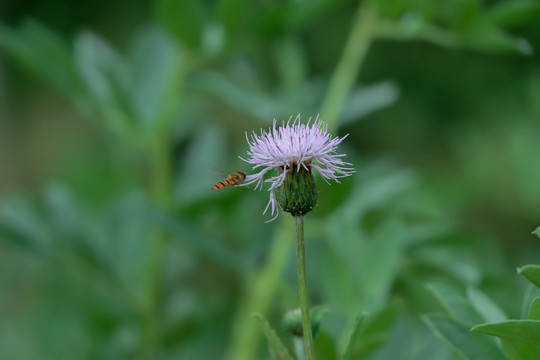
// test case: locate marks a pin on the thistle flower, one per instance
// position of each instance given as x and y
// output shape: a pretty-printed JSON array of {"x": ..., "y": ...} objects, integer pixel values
[{"x": 294, "y": 150}]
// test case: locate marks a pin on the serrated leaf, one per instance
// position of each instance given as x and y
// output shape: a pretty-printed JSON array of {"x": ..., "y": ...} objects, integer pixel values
[
  {"x": 485, "y": 306},
  {"x": 518, "y": 350},
  {"x": 279, "y": 350},
  {"x": 521, "y": 330},
  {"x": 456, "y": 304},
  {"x": 351, "y": 337},
  {"x": 532, "y": 273},
  {"x": 534, "y": 309},
  {"x": 472, "y": 346}
]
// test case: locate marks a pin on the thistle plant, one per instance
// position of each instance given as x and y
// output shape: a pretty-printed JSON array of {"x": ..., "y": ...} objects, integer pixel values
[{"x": 295, "y": 151}]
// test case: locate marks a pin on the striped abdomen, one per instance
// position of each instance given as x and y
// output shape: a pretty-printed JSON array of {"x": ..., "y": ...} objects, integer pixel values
[{"x": 233, "y": 179}]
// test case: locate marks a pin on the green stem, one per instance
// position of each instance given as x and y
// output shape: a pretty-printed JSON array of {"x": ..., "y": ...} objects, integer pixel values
[
  {"x": 159, "y": 152},
  {"x": 160, "y": 187},
  {"x": 302, "y": 286},
  {"x": 350, "y": 63},
  {"x": 160, "y": 158}
]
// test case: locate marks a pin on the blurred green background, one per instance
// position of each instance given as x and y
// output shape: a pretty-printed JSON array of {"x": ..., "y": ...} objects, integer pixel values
[{"x": 112, "y": 114}]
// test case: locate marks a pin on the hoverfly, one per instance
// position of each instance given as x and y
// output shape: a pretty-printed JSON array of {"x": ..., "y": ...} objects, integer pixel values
[{"x": 232, "y": 179}]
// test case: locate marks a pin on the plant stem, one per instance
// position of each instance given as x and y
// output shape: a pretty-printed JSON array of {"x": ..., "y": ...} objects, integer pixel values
[
  {"x": 160, "y": 187},
  {"x": 160, "y": 158},
  {"x": 349, "y": 64},
  {"x": 302, "y": 286}
]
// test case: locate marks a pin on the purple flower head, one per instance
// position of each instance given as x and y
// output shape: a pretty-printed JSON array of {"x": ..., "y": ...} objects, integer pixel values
[{"x": 292, "y": 148}]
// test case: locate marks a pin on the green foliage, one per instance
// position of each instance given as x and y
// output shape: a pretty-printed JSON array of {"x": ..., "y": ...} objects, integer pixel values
[
  {"x": 514, "y": 13},
  {"x": 532, "y": 273},
  {"x": 135, "y": 95},
  {"x": 185, "y": 19},
  {"x": 534, "y": 309},
  {"x": 471, "y": 346},
  {"x": 520, "y": 339},
  {"x": 278, "y": 350},
  {"x": 45, "y": 53},
  {"x": 517, "y": 350},
  {"x": 521, "y": 330},
  {"x": 349, "y": 345},
  {"x": 112, "y": 245},
  {"x": 487, "y": 309},
  {"x": 454, "y": 328}
]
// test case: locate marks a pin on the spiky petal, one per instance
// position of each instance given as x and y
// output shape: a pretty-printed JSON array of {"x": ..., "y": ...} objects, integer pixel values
[{"x": 293, "y": 147}]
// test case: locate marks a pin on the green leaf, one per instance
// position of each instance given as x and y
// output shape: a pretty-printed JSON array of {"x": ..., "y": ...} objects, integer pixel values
[
  {"x": 491, "y": 38},
  {"x": 485, "y": 306},
  {"x": 456, "y": 304},
  {"x": 368, "y": 99},
  {"x": 381, "y": 320},
  {"x": 73, "y": 229},
  {"x": 184, "y": 18},
  {"x": 44, "y": 53},
  {"x": 206, "y": 151},
  {"x": 336, "y": 279},
  {"x": 250, "y": 100},
  {"x": 537, "y": 232},
  {"x": 101, "y": 68},
  {"x": 232, "y": 14},
  {"x": 300, "y": 14},
  {"x": 21, "y": 224},
  {"x": 368, "y": 344},
  {"x": 532, "y": 293},
  {"x": 518, "y": 350},
  {"x": 316, "y": 314},
  {"x": 514, "y": 12},
  {"x": 534, "y": 309},
  {"x": 325, "y": 347},
  {"x": 521, "y": 330},
  {"x": 154, "y": 67},
  {"x": 351, "y": 337},
  {"x": 279, "y": 350},
  {"x": 472, "y": 346},
  {"x": 375, "y": 329},
  {"x": 379, "y": 262},
  {"x": 531, "y": 272}
]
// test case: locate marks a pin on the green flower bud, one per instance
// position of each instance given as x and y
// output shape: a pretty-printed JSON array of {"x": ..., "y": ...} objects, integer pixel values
[
  {"x": 292, "y": 320},
  {"x": 298, "y": 194}
]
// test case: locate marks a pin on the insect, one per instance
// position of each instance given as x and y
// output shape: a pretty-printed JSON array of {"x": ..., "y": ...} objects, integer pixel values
[{"x": 233, "y": 179}]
